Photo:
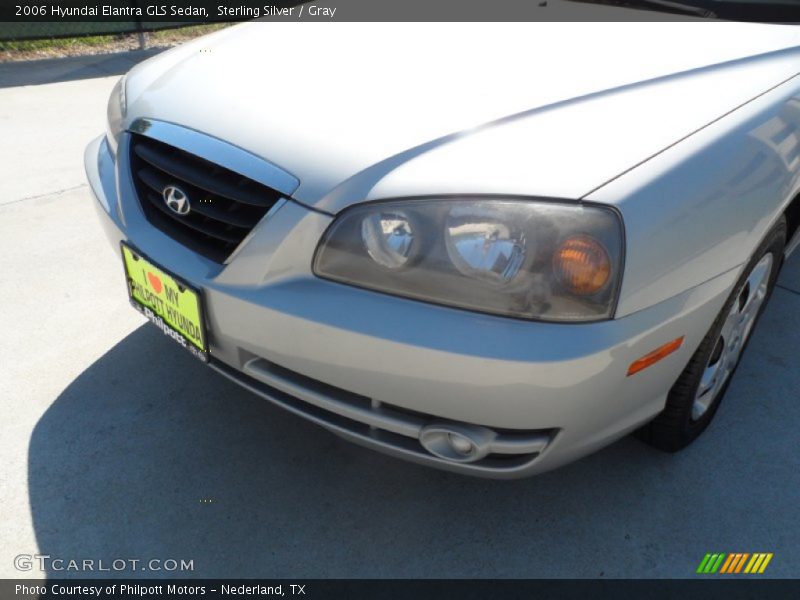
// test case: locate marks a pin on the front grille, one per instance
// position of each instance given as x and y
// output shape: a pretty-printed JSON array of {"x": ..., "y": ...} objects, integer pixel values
[{"x": 225, "y": 206}]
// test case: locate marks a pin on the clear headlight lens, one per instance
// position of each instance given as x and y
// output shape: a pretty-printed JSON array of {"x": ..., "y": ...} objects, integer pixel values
[
  {"x": 482, "y": 245},
  {"x": 117, "y": 109},
  {"x": 532, "y": 259},
  {"x": 388, "y": 238}
]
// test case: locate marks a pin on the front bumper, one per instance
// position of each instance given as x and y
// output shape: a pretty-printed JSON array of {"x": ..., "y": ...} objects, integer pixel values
[{"x": 378, "y": 369}]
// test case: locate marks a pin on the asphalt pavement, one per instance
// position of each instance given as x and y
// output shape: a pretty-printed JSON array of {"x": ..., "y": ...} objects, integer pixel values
[{"x": 117, "y": 444}]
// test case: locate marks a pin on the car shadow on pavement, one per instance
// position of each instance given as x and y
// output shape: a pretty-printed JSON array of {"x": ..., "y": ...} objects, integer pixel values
[
  {"x": 71, "y": 68},
  {"x": 148, "y": 454}
]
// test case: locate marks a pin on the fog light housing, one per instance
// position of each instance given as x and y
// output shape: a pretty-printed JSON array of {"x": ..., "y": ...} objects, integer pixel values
[{"x": 457, "y": 442}]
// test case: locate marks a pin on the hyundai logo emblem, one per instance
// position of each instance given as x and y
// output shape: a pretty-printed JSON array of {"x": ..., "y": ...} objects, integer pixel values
[{"x": 176, "y": 200}]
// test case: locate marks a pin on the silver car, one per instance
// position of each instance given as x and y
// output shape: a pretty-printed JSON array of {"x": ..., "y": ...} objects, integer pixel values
[{"x": 489, "y": 248}]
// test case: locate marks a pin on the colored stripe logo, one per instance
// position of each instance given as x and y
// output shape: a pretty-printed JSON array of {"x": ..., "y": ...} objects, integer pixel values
[{"x": 737, "y": 562}]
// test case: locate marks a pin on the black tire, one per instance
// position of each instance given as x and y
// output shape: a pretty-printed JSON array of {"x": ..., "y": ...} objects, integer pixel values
[{"x": 676, "y": 427}]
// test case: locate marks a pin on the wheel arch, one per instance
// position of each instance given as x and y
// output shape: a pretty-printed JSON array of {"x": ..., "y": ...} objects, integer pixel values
[{"x": 792, "y": 214}]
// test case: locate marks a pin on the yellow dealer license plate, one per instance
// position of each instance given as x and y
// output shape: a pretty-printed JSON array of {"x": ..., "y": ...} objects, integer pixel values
[{"x": 172, "y": 305}]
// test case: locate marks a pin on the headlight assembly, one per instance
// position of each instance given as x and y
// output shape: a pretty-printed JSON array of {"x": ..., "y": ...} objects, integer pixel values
[
  {"x": 532, "y": 259},
  {"x": 117, "y": 108}
]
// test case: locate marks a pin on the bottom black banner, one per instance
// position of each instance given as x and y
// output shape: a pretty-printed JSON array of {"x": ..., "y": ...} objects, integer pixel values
[{"x": 464, "y": 589}]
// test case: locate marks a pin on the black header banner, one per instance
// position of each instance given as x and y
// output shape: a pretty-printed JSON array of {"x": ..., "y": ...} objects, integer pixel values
[
  {"x": 207, "y": 11},
  {"x": 148, "y": 11}
]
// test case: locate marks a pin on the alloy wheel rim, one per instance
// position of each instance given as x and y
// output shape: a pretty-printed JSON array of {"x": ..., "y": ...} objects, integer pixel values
[{"x": 735, "y": 333}]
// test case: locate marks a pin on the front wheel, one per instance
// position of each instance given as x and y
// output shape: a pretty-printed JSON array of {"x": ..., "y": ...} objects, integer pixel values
[{"x": 695, "y": 397}]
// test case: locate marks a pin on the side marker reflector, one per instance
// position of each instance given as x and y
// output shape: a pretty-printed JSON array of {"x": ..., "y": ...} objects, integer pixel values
[{"x": 648, "y": 360}]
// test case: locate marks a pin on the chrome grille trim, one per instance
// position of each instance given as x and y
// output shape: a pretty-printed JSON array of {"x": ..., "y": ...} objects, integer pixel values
[{"x": 219, "y": 152}]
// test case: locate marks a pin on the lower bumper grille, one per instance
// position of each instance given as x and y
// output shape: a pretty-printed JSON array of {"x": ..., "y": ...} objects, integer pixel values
[
  {"x": 380, "y": 425},
  {"x": 208, "y": 208}
]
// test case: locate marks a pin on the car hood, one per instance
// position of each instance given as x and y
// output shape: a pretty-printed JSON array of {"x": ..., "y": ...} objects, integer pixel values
[{"x": 363, "y": 111}]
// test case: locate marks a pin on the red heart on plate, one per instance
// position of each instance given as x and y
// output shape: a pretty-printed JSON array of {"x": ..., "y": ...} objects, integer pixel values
[{"x": 155, "y": 282}]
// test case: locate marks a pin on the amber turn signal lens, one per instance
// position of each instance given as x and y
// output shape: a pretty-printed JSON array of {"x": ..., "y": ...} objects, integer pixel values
[
  {"x": 656, "y": 355},
  {"x": 582, "y": 265}
]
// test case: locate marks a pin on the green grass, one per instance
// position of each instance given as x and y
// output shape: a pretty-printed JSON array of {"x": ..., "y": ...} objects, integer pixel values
[
  {"x": 57, "y": 43},
  {"x": 74, "y": 44},
  {"x": 189, "y": 31}
]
